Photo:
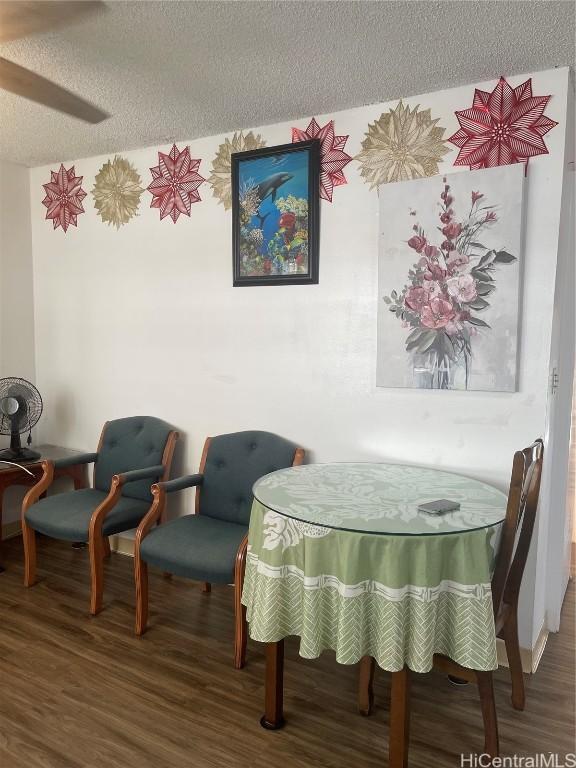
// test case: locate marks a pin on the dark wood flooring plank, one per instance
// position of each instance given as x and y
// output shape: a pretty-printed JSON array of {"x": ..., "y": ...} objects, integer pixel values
[{"x": 81, "y": 692}]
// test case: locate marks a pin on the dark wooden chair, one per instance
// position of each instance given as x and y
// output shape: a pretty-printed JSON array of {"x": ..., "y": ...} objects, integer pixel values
[
  {"x": 515, "y": 541},
  {"x": 132, "y": 453},
  {"x": 210, "y": 545}
]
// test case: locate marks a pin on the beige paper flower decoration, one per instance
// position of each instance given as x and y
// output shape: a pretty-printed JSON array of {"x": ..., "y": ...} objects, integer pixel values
[
  {"x": 117, "y": 191},
  {"x": 403, "y": 144},
  {"x": 220, "y": 178}
]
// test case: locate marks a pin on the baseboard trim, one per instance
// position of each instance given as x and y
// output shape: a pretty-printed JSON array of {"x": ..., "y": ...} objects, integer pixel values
[
  {"x": 11, "y": 530},
  {"x": 122, "y": 545},
  {"x": 530, "y": 657},
  {"x": 538, "y": 649}
]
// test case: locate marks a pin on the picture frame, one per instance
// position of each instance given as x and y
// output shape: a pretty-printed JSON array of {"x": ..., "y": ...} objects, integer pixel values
[{"x": 275, "y": 215}]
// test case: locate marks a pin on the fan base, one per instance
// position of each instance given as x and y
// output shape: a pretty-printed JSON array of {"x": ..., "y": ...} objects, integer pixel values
[{"x": 21, "y": 454}]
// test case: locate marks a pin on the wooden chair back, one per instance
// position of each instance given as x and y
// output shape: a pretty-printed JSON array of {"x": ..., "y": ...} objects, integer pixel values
[{"x": 518, "y": 526}]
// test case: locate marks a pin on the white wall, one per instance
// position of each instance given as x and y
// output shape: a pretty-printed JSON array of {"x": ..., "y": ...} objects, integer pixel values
[
  {"x": 16, "y": 293},
  {"x": 145, "y": 320},
  {"x": 554, "y": 544},
  {"x": 16, "y": 298}
]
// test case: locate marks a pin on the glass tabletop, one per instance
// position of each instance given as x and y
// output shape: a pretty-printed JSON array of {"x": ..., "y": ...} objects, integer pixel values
[{"x": 380, "y": 498}]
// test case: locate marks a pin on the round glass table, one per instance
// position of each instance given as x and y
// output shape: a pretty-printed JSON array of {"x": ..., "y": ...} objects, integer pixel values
[
  {"x": 340, "y": 556},
  {"x": 380, "y": 498}
]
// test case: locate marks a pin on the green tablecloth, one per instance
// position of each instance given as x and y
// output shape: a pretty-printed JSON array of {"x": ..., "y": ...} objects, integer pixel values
[{"x": 398, "y": 598}]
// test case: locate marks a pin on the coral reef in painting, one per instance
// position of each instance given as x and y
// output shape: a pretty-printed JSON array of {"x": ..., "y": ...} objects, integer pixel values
[
  {"x": 333, "y": 159},
  {"x": 220, "y": 178},
  {"x": 286, "y": 251},
  {"x": 175, "y": 183},
  {"x": 502, "y": 127},
  {"x": 117, "y": 190},
  {"x": 64, "y": 195},
  {"x": 403, "y": 144}
]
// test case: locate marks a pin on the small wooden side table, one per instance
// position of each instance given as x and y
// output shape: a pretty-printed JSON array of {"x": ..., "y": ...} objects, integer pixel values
[{"x": 10, "y": 475}]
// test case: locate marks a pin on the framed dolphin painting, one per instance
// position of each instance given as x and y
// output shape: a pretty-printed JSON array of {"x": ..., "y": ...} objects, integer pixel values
[{"x": 275, "y": 207}]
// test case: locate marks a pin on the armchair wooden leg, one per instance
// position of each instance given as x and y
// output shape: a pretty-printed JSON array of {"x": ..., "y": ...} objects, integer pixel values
[
  {"x": 106, "y": 547},
  {"x": 29, "y": 539},
  {"x": 96, "y": 548},
  {"x": 366, "y": 685},
  {"x": 486, "y": 690},
  {"x": 141, "y": 580},
  {"x": 510, "y": 635},
  {"x": 206, "y": 587}
]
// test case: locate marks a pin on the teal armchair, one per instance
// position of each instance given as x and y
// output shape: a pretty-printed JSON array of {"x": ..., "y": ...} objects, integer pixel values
[
  {"x": 210, "y": 545},
  {"x": 133, "y": 453}
]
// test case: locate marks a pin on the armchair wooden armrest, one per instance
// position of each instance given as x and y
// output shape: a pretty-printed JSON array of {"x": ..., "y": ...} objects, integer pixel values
[
  {"x": 118, "y": 481},
  {"x": 159, "y": 491},
  {"x": 140, "y": 474},
  {"x": 41, "y": 486},
  {"x": 180, "y": 483}
]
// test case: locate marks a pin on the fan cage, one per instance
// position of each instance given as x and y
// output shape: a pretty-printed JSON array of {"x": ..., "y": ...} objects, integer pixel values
[{"x": 28, "y": 397}]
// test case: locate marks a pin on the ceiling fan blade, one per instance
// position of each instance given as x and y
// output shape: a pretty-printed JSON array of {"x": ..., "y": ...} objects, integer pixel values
[
  {"x": 23, "y": 82},
  {"x": 20, "y": 18}
]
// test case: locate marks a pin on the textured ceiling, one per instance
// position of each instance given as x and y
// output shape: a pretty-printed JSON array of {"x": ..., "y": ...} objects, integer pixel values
[{"x": 180, "y": 70}]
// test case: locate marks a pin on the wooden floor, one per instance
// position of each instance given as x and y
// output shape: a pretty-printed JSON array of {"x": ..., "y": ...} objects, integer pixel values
[{"x": 77, "y": 692}]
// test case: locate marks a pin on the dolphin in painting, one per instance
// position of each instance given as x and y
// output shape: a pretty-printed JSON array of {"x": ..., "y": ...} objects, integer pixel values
[{"x": 270, "y": 185}]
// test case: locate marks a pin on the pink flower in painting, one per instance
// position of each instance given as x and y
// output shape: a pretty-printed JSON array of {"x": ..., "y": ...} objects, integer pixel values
[
  {"x": 447, "y": 245},
  {"x": 435, "y": 290},
  {"x": 431, "y": 252},
  {"x": 490, "y": 216},
  {"x": 434, "y": 272},
  {"x": 451, "y": 231},
  {"x": 476, "y": 196},
  {"x": 416, "y": 298},
  {"x": 64, "y": 195},
  {"x": 456, "y": 259},
  {"x": 175, "y": 182},
  {"x": 418, "y": 243},
  {"x": 454, "y": 326},
  {"x": 437, "y": 314},
  {"x": 462, "y": 288},
  {"x": 446, "y": 217}
]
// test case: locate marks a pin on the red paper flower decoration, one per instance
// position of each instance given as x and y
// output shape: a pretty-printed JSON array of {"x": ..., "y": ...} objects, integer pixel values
[
  {"x": 64, "y": 195},
  {"x": 502, "y": 127},
  {"x": 332, "y": 155},
  {"x": 175, "y": 183}
]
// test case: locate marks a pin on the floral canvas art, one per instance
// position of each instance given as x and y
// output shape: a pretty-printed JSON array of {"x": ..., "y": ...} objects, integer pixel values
[{"x": 449, "y": 281}]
